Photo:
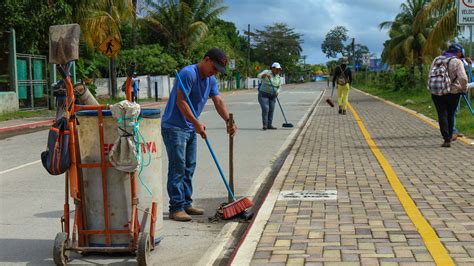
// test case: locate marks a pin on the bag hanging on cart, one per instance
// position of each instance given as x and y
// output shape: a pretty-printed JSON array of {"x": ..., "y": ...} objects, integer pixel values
[{"x": 56, "y": 158}]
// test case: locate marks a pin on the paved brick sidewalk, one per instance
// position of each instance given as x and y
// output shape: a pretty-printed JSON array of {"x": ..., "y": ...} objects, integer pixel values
[{"x": 367, "y": 225}]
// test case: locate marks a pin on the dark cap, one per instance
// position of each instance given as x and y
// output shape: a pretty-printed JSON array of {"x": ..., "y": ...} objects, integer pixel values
[
  {"x": 456, "y": 47},
  {"x": 218, "y": 57}
]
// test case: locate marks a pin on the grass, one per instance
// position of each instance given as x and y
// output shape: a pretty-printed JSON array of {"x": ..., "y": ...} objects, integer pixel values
[
  {"x": 420, "y": 101},
  {"x": 27, "y": 114}
]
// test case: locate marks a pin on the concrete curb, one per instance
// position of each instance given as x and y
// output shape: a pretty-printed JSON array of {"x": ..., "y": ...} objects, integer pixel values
[
  {"x": 27, "y": 126},
  {"x": 245, "y": 251},
  {"x": 215, "y": 251}
]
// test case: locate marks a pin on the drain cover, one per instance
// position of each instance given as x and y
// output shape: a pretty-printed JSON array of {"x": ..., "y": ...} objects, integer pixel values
[{"x": 308, "y": 195}]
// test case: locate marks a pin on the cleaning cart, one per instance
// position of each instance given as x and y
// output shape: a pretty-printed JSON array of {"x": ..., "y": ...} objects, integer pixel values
[{"x": 114, "y": 211}]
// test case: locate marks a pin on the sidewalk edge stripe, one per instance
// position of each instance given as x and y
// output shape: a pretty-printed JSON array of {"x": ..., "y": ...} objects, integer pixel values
[
  {"x": 245, "y": 251},
  {"x": 28, "y": 125},
  {"x": 18, "y": 167},
  {"x": 428, "y": 120},
  {"x": 430, "y": 238}
]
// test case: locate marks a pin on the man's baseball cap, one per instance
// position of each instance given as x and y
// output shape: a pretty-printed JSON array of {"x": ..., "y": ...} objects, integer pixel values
[
  {"x": 276, "y": 65},
  {"x": 218, "y": 57},
  {"x": 456, "y": 47}
]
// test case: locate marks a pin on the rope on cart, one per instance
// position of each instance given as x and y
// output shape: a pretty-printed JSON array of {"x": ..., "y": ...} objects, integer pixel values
[{"x": 137, "y": 135}]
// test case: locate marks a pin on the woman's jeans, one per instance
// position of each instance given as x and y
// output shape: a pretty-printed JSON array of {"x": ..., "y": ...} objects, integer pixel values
[
  {"x": 446, "y": 107},
  {"x": 181, "y": 147},
  {"x": 267, "y": 103}
]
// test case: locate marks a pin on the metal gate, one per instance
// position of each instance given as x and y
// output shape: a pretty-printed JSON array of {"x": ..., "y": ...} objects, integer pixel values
[{"x": 32, "y": 81}]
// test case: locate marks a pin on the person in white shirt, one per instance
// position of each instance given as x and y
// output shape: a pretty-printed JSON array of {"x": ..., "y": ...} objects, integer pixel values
[{"x": 267, "y": 92}]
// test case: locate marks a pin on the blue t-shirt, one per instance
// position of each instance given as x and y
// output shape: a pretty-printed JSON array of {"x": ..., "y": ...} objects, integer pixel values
[
  {"x": 201, "y": 90},
  {"x": 135, "y": 85}
]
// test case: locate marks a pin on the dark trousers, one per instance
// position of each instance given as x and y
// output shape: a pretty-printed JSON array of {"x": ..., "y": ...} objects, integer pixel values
[
  {"x": 446, "y": 107},
  {"x": 135, "y": 97},
  {"x": 267, "y": 103}
]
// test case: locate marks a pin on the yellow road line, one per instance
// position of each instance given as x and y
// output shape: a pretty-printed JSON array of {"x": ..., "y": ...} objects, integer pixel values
[
  {"x": 415, "y": 113},
  {"x": 432, "y": 242}
]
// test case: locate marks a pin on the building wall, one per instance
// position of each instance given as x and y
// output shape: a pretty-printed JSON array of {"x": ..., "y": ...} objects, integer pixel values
[
  {"x": 8, "y": 102},
  {"x": 164, "y": 85}
]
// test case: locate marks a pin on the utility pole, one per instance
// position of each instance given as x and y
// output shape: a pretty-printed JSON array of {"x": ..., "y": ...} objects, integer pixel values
[
  {"x": 134, "y": 24},
  {"x": 353, "y": 57},
  {"x": 112, "y": 73},
  {"x": 248, "y": 54},
  {"x": 304, "y": 65}
]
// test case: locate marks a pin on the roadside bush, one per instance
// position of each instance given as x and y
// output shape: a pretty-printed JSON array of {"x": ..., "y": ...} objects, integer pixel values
[
  {"x": 149, "y": 59},
  {"x": 403, "y": 79}
]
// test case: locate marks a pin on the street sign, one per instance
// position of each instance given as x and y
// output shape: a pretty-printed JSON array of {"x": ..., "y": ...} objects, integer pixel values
[
  {"x": 465, "y": 12},
  {"x": 232, "y": 64},
  {"x": 366, "y": 59},
  {"x": 110, "y": 46}
]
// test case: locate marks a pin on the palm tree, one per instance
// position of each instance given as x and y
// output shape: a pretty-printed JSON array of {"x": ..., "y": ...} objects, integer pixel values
[
  {"x": 444, "y": 12},
  {"x": 406, "y": 42},
  {"x": 183, "y": 23},
  {"x": 102, "y": 18}
]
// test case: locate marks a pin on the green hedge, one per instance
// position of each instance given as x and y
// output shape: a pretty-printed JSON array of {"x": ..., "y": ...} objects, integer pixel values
[{"x": 149, "y": 59}]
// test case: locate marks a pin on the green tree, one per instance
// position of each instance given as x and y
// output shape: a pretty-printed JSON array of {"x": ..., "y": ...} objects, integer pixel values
[
  {"x": 280, "y": 43},
  {"x": 102, "y": 18},
  {"x": 443, "y": 15},
  {"x": 31, "y": 20},
  {"x": 181, "y": 24},
  {"x": 224, "y": 35},
  {"x": 331, "y": 66},
  {"x": 333, "y": 43},
  {"x": 406, "y": 42},
  {"x": 359, "y": 51},
  {"x": 149, "y": 59}
]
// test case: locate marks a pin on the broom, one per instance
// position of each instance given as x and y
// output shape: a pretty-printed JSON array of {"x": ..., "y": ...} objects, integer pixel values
[
  {"x": 329, "y": 100},
  {"x": 286, "y": 124},
  {"x": 236, "y": 206}
]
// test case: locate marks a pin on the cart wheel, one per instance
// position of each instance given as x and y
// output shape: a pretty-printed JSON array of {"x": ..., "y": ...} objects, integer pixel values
[
  {"x": 60, "y": 252},
  {"x": 144, "y": 249}
]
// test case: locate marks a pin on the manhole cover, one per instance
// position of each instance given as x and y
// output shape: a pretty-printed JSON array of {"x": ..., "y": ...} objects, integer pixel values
[{"x": 308, "y": 195}]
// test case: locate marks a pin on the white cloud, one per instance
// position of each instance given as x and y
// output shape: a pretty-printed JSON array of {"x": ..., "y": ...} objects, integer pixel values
[{"x": 314, "y": 18}]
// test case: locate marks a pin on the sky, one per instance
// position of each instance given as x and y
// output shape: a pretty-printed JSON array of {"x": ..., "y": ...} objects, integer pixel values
[{"x": 315, "y": 18}]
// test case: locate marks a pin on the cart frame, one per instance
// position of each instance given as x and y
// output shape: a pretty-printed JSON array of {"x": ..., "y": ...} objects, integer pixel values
[{"x": 140, "y": 243}]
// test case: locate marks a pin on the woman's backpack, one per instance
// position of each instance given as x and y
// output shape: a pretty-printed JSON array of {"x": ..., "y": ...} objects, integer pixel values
[
  {"x": 439, "y": 82},
  {"x": 56, "y": 158},
  {"x": 341, "y": 79}
]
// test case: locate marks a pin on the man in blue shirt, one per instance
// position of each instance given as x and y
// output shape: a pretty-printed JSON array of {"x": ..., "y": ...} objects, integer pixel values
[
  {"x": 135, "y": 87},
  {"x": 179, "y": 128}
]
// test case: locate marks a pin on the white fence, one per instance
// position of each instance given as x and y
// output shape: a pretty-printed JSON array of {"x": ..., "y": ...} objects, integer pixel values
[{"x": 160, "y": 86}]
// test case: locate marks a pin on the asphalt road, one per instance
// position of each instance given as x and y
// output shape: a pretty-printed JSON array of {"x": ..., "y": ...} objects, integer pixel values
[{"x": 31, "y": 200}]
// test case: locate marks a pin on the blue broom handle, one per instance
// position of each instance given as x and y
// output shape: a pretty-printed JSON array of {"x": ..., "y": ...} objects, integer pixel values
[
  {"x": 283, "y": 113},
  {"x": 224, "y": 178}
]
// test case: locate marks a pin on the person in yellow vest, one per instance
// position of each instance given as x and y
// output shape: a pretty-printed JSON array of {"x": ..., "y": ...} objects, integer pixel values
[
  {"x": 267, "y": 92},
  {"x": 343, "y": 78}
]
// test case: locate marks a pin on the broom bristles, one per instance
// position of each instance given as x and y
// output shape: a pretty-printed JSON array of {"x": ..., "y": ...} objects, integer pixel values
[
  {"x": 330, "y": 102},
  {"x": 232, "y": 209}
]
